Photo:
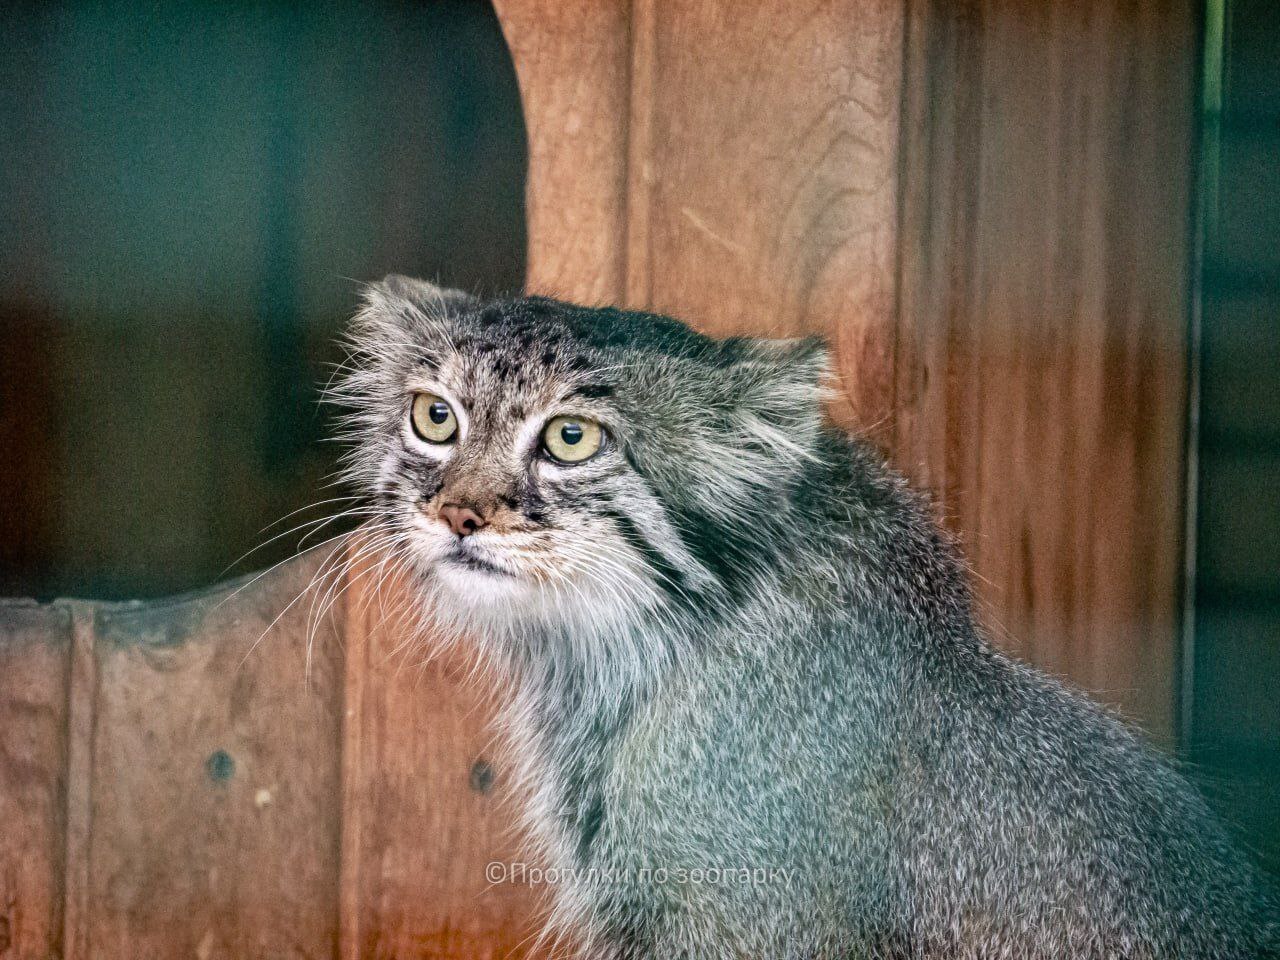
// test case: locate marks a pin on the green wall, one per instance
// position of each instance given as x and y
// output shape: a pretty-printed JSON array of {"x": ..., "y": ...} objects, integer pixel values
[
  {"x": 1234, "y": 667},
  {"x": 188, "y": 193}
]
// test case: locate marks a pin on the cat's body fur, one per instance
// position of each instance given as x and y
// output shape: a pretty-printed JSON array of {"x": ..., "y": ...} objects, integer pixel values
[{"x": 780, "y": 678}]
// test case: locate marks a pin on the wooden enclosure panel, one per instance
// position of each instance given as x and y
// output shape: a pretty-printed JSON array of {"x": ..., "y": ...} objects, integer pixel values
[
  {"x": 426, "y": 790},
  {"x": 1042, "y": 354},
  {"x": 763, "y": 176},
  {"x": 215, "y": 790},
  {"x": 937, "y": 369},
  {"x": 35, "y": 667},
  {"x": 572, "y": 63}
]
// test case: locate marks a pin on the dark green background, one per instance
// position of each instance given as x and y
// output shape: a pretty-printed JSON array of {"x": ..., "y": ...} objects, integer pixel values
[
  {"x": 1233, "y": 672},
  {"x": 188, "y": 193}
]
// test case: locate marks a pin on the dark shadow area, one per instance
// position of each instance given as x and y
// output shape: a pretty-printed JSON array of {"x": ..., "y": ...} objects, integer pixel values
[
  {"x": 188, "y": 194},
  {"x": 1234, "y": 722}
]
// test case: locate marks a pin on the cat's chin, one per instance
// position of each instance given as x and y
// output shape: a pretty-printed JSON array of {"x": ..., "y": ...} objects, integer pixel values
[
  {"x": 485, "y": 599},
  {"x": 472, "y": 583},
  {"x": 478, "y": 597},
  {"x": 478, "y": 587}
]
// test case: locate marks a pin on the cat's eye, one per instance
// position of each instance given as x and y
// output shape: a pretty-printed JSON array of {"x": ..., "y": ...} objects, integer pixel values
[
  {"x": 572, "y": 439},
  {"x": 432, "y": 418}
]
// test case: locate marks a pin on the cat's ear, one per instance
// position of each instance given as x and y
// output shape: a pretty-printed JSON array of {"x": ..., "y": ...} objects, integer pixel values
[
  {"x": 799, "y": 363},
  {"x": 778, "y": 391},
  {"x": 401, "y": 311},
  {"x": 791, "y": 373},
  {"x": 398, "y": 296}
]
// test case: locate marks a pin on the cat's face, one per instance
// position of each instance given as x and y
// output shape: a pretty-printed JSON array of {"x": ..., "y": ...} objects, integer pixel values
[{"x": 540, "y": 463}]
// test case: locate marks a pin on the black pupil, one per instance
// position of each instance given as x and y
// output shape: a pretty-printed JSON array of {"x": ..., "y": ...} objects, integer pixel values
[
  {"x": 571, "y": 433},
  {"x": 438, "y": 412}
]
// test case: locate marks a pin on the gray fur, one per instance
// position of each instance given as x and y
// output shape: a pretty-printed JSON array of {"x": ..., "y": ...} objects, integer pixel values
[{"x": 737, "y": 640}]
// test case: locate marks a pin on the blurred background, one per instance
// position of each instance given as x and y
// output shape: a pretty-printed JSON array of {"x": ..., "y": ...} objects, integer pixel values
[
  {"x": 1232, "y": 730},
  {"x": 189, "y": 193}
]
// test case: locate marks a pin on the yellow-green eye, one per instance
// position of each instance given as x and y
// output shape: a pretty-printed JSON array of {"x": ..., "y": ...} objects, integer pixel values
[
  {"x": 572, "y": 439},
  {"x": 432, "y": 418}
]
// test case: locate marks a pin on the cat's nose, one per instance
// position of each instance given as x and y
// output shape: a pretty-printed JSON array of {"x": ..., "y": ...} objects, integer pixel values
[{"x": 461, "y": 520}]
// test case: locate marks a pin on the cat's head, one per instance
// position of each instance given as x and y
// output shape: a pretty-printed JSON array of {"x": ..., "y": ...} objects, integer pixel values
[{"x": 543, "y": 463}]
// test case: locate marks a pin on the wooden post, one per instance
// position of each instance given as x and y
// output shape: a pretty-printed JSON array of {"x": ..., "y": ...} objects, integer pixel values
[{"x": 739, "y": 171}]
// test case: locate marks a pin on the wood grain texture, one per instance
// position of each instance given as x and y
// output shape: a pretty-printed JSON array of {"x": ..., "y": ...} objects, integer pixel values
[
  {"x": 215, "y": 789},
  {"x": 82, "y": 710},
  {"x": 571, "y": 62},
  {"x": 35, "y": 668},
  {"x": 763, "y": 177},
  {"x": 1042, "y": 342},
  {"x": 426, "y": 794}
]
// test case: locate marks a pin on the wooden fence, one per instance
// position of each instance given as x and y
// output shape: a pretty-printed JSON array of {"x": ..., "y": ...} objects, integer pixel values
[{"x": 984, "y": 204}]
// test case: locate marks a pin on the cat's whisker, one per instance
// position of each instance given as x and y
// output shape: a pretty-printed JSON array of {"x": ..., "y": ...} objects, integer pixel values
[
  {"x": 289, "y": 606},
  {"x": 335, "y": 573},
  {"x": 270, "y": 540},
  {"x": 309, "y": 506},
  {"x": 373, "y": 540},
  {"x": 361, "y": 511},
  {"x": 275, "y": 566}
]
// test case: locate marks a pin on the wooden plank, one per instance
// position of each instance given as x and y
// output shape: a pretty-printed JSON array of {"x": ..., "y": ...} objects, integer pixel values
[
  {"x": 82, "y": 707},
  {"x": 427, "y": 793},
  {"x": 35, "y": 665},
  {"x": 214, "y": 809},
  {"x": 571, "y": 62},
  {"x": 1042, "y": 349},
  {"x": 763, "y": 191},
  {"x": 936, "y": 370}
]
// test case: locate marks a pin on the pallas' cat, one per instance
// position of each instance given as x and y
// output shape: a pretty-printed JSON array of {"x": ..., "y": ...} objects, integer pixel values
[{"x": 750, "y": 697}]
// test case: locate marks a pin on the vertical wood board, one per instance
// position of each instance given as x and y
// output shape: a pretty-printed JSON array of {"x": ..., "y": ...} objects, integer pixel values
[
  {"x": 214, "y": 812},
  {"x": 763, "y": 183},
  {"x": 1042, "y": 351},
  {"x": 426, "y": 791},
  {"x": 35, "y": 668},
  {"x": 571, "y": 61}
]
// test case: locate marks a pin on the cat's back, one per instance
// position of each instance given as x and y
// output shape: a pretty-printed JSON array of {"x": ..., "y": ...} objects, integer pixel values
[
  {"x": 1026, "y": 816},
  {"x": 1031, "y": 816}
]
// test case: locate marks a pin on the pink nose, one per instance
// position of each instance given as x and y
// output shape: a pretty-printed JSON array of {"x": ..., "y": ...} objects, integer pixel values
[{"x": 461, "y": 520}]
